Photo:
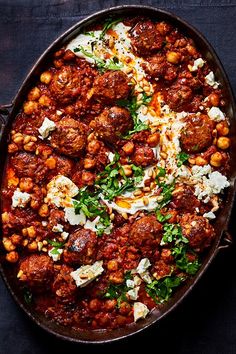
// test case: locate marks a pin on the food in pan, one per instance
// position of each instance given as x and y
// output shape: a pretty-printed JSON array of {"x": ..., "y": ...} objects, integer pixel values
[{"x": 117, "y": 164}]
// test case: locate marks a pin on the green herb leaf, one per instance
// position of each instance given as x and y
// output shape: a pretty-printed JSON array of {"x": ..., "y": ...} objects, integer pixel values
[
  {"x": 56, "y": 243},
  {"x": 183, "y": 263},
  {"x": 118, "y": 291},
  {"x": 182, "y": 157},
  {"x": 173, "y": 233},
  {"x": 162, "y": 218},
  {"x": 161, "y": 173},
  {"x": 109, "y": 24},
  {"x": 161, "y": 290},
  {"x": 166, "y": 193}
]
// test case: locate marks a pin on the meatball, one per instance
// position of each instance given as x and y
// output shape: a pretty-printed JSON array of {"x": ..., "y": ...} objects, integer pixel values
[
  {"x": 37, "y": 271},
  {"x": 111, "y": 86},
  {"x": 28, "y": 165},
  {"x": 56, "y": 217},
  {"x": 64, "y": 286},
  {"x": 145, "y": 38},
  {"x": 145, "y": 230},
  {"x": 197, "y": 230},
  {"x": 161, "y": 269},
  {"x": 112, "y": 123},
  {"x": 81, "y": 247},
  {"x": 143, "y": 156},
  {"x": 177, "y": 96},
  {"x": 66, "y": 84},
  {"x": 158, "y": 67},
  {"x": 69, "y": 138},
  {"x": 184, "y": 199},
  {"x": 64, "y": 166},
  {"x": 196, "y": 136}
]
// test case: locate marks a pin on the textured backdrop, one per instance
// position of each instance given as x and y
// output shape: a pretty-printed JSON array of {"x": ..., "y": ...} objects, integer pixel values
[{"x": 206, "y": 321}]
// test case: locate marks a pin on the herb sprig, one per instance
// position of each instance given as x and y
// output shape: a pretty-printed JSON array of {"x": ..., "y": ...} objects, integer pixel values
[
  {"x": 161, "y": 290},
  {"x": 118, "y": 291}
]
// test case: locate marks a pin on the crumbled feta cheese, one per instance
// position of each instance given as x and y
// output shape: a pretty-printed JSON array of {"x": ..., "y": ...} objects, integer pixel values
[
  {"x": 44, "y": 223},
  {"x": 133, "y": 293},
  {"x": 57, "y": 228},
  {"x": 140, "y": 311},
  {"x": 199, "y": 171},
  {"x": 20, "y": 199},
  {"x": 55, "y": 253},
  {"x": 64, "y": 235},
  {"x": 214, "y": 184},
  {"x": 130, "y": 283},
  {"x": 60, "y": 191},
  {"x": 143, "y": 265},
  {"x": 87, "y": 273},
  {"x": 110, "y": 156},
  {"x": 216, "y": 114},
  {"x": 74, "y": 219},
  {"x": 96, "y": 224},
  {"x": 210, "y": 215},
  {"x": 146, "y": 277},
  {"x": 47, "y": 127},
  {"x": 210, "y": 80},
  {"x": 198, "y": 63}
]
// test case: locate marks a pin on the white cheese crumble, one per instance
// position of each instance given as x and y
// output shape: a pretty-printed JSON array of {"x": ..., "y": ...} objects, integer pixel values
[
  {"x": 57, "y": 228},
  {"x": 87, "y": 273},
  {"x": 210, "y": 80},
  {"x": 96, "y": 224},
  {"x": 20, "y": 199},
  {"x": 198, "y": 63},
  {"x": 143, "y": 265},
  {"x": 216, "y": 114},
  {"x": 140, "y": 311},
  {"x": 210, "y": 215},
  {"x": 133, "y": 293},
  {"x": 74, "y": 219},
  {"x": 55, "y": 253},
  {"x": 60, "y": 191},
  {"x": 47, "y": 127},
  {"x": 64, "y": 235},
  {"x": 214, "y": 184}
]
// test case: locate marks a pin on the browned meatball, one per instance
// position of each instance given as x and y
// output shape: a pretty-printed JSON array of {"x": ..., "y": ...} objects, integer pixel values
[
  {"x": 158, "y": 67},
  {"x": 197, "y": 230},
  {"x": 184, "y": 199},
  {"x": 145, "y": 38},
  {"x": 81, "y": 247},
  {"x": 56, "y": 217},
  {"x": 69, "y": 138},
  {"x": 111, "y": 86},
  {"x": 161, "y": 269},
  {"x": 145, "y": 230},
  {"x": 64, "y": 166},
  {"x": 64, "y": 286},
  {"x": 196, "y": 136},
  {"x": 112, "y": 123},
  {"x": 177, "y": 96},
  {"x": 66, "y": 84},
  {"x": 28, "y": 165},
  {"x": 37, "y": 271},
  {"x": 143, "y": 156}
]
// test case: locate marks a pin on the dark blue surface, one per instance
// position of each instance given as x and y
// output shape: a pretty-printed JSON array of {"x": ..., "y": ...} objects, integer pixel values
[{"x": 206, "y": 321}]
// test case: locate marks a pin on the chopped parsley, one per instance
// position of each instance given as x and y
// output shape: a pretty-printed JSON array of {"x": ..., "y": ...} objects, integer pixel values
[
  {"x": 182, "y": 158},
  {"x": 173, "y": 233},
  {"x": 162, "y": 218},
  {"x": 166, "y": 193},
  {"x": 161, "y": 290},
  {"x": 56, "y": 244}
]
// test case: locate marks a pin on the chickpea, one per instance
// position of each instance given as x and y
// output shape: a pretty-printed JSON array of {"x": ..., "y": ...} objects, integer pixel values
[
  {"x": 191, "y": 49},
  {"x": 34, "y": 94},
  {"x": 88, "y": 178},
  {"x": 5, "y": 217},
  {"x": 200, "y": 161},
  {"x": 45, "y": 101},
  {"x": 124, "y": 308},
  {"x": 31, "y": 232},
  {"x": 116, "y": 277},
  {"x": 15, "y": 239},
  {"x": 33, "y": 246},
  {"x": 153, "y": 139},
  {"x": 93, "y": 147},
  {"x": 30, "y": 107},
  {"x": 12, "y": 257},
  {"x": 127, "y": 169},
  {"x": 216, "y": 159},
  {"x": 89, "y": 163},
  {"x": 58, "y": 63},
  {"x": 26, "y": 184},
  {"x": 95, "y": 305},
  {"x": 51, "y": 163},
  {"x": 12, "y": 148},
  {"x": 46, "y": 77},
  {"x": 214, "y": 99},
  {"x": 112, "y": 265},
  {"x": 222, "y": 128},
  {"x": 173, "y": 57},
  {"x": 128, "y": 148},
  {"x": 43, "y": 210},
  {"x": 30, "y": 146},
  {"x": 223, "y": 143},
  {"x": 8, "y": 245},
  {"x": 110, "y": 305}
]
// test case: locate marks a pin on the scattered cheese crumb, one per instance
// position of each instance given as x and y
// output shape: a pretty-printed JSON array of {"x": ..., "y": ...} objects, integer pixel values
[
  {"x": 74, "y": 219},
  {"x": 87, "y": 273},
  {"x": 47, "y": 127},
  {"x": 20, "y": 199},
  {"x": 133, "y": 293},
  {"x": 210, "y": 215},
  {"x": 60, "y": 191},
  {"x": 140, "y": 311},
  {"x": 198, "y": 63},
  {"x": 64, "y": 235},
  {"x": 210, "y": 80},
  {"x": 216, "y": 114},
  {"x": 57, "y": 228},
  {"x": 55, "y": 253}
]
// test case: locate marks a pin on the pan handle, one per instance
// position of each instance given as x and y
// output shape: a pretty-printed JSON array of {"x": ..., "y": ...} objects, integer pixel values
[
  {"x": 4, "y": 113},
  {"x": 226, "y": 241}
]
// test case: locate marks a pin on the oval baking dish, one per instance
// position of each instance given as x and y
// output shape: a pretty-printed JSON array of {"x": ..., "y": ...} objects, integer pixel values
[{"x": 222, "y": 239}]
